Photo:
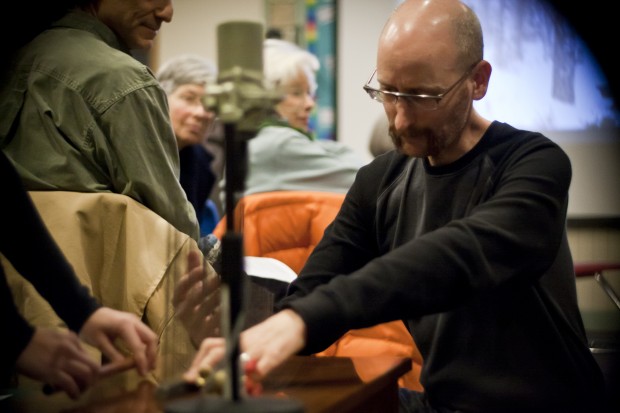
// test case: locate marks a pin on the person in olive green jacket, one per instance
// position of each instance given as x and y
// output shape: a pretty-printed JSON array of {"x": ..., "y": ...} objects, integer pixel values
[{"x": 81, "y": 114}]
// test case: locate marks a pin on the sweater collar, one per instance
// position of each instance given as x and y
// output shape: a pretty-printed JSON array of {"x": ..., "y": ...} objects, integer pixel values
[{"x": 284, "y": 124}]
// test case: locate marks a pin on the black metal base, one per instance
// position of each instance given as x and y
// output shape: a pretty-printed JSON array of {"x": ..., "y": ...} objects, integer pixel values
[{"x": 211, "y": 404}]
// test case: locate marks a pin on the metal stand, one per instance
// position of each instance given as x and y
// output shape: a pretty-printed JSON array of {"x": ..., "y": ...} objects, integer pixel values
[
  {"x": 234, "y": 279},
  {"x": 242, "y": 104},
  {"x": 233, "y": 275}
]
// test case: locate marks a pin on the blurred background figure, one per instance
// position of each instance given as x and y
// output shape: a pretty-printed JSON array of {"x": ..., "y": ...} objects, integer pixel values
[
  {"x": 284, "y": 155},
  {"x": 184, "y": 79},
  {"x": 380, "y": 140}
]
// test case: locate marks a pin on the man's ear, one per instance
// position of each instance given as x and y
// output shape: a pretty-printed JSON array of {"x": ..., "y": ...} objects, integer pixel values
[{"x": 481, "y": 76}]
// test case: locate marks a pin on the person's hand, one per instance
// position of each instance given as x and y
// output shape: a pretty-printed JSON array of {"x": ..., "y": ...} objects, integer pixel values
[
  {"x": 197, "y": 299},
  {"x": 106, "y": 325},
  {"x": 273, "y": 341},
  {"x": 57, "y": 358},
  {"x": 210, "y": 353},
  {"x": 266, "y": 346}
]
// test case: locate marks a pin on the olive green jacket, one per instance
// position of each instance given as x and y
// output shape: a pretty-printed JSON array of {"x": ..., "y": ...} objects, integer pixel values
[{"x": 79, "y": 113}]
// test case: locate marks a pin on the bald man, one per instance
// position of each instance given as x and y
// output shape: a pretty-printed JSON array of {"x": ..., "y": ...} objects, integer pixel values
[{"x": 460, "y": 232}]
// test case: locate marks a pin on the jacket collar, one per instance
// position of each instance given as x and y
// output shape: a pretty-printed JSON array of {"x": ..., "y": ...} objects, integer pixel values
[{"x": 81, "y": 20}]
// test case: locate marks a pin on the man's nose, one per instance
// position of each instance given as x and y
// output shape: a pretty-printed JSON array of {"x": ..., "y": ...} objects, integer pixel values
[
  {"x": 164, "y": 11},
  {"x": 404, "y": 116}
]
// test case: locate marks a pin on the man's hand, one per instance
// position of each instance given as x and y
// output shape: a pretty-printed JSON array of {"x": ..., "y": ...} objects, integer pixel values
[
  {"x": 273, "y": 341},
  {"x": 106, "y": 325},
  {"x": 57, "y": 358},
  {"x": 265, "y": 345}
]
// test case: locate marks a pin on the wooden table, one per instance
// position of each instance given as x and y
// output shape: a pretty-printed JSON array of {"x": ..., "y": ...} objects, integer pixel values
[{"x": 320, "y": 384}]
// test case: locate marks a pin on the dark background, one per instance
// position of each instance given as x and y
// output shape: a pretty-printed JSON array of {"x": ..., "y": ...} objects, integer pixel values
[{"x": 599, "y": 26}]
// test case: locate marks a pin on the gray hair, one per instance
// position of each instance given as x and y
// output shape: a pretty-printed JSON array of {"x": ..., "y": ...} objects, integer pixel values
[
  {"x": 186, "y": 69},
  {"x": 283, "y": 60}
]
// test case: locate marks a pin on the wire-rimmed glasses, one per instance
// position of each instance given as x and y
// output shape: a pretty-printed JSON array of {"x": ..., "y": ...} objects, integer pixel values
[{"x": 422, "y": 101}]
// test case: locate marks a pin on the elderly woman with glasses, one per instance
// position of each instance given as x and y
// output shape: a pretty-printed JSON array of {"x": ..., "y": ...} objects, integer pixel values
[
  {"x": 185, "y": 79},
  {"x": 284, "y": 155}
]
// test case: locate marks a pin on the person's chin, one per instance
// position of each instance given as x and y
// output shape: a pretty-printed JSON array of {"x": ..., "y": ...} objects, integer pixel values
[
  {"x": 301, "y": 126},
  {"x": 141, "y": 44},
  {"x": 147, "y": 44},
  {"x": 143, "y": 38},
  {"x": 194, "y": 139},
  {"x": 409, "y": 149}
]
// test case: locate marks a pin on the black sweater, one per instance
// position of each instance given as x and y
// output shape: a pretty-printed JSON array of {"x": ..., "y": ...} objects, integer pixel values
[{"x": 474, "y": 257}]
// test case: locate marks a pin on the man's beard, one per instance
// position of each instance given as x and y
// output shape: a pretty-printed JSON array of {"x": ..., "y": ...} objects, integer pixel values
[{"x": 427, "y": 135}]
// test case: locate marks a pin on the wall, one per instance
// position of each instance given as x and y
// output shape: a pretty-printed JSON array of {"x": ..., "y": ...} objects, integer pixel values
[
  {"x": 597, "y": 245},
  {"x": 194, "y": 25}
]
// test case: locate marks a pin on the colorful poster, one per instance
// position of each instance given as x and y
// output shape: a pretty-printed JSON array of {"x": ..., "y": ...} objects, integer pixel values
[{"x": 321, "y": 40}]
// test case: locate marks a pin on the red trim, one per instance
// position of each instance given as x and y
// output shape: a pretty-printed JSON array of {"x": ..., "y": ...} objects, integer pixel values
[{"x": 589, "y": 269}]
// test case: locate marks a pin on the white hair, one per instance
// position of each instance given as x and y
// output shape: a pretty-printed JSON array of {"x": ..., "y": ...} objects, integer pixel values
[{"x": 283, "y": 60}]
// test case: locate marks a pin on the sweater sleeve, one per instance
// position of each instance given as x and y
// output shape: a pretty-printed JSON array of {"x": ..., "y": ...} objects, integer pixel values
[
  {"x": 19, "y": 330},
  {"x": 28, "y": 245}
]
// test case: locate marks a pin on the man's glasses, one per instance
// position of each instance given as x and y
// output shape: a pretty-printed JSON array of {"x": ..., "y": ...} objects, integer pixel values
[{"x": 422, "y": 101}]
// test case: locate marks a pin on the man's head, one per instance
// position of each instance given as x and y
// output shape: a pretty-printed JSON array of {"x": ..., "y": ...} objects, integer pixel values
[
  {"x": 184, "y": 79},
  {"x": 432, "y": 48},
  {"x": 135, "y": 22}
]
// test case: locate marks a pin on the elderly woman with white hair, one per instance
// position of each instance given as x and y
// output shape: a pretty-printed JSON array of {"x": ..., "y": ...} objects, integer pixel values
[{"x": 284, "y": 155}]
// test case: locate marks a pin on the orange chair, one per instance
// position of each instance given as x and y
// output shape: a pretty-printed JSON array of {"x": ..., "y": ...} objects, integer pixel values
[{"x": 287, "y": 225}]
